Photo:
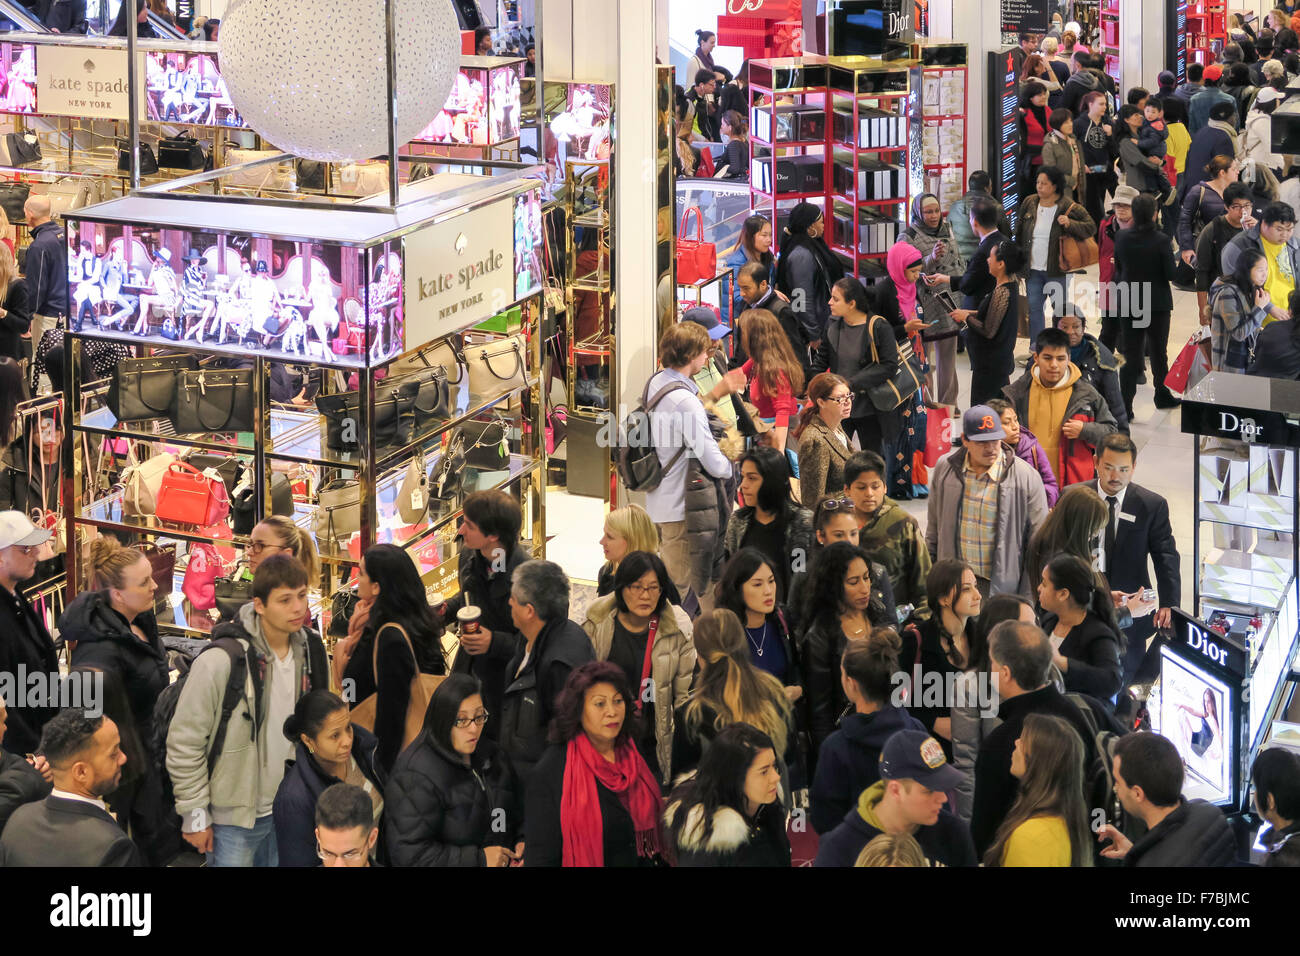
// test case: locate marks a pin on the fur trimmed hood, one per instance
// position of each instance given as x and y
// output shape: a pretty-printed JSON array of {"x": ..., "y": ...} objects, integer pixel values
[{"x": 730, "y": 831}]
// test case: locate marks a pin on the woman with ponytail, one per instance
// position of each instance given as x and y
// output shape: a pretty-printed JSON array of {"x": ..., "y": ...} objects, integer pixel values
[
  {"x": 729, "y": 690},
  {"x": 329, "y": 749},
  {"x": 823, "y": 446},
  {"x": 849, "y": 760},
  {"x": 1087, "y": 647}
]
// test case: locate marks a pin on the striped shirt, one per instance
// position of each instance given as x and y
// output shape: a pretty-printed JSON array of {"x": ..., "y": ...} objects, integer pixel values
[{"x": 977, "y": 524}]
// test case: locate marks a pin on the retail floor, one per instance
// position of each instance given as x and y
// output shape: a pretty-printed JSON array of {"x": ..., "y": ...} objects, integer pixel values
[{"x": 1164, "y": 466}]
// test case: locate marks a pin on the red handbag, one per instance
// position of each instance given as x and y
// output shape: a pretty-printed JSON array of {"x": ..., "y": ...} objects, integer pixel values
[
  {"x": 187, "y": 496},
  {"x": 200, "y": 582},
  {"x": 696, "y": 259},
  {"x": 350, "y": 340}
]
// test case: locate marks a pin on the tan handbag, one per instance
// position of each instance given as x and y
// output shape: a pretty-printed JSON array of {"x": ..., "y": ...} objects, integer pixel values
[
  {"x": 361, "y": 179},
  {"x": 497, "y": 367},
  {"x": 278, "y": 176},
  {"x": 445, "y": 352},
  {"x": 366, "y": 713},
  {"x": 1077, "y": 254},
  {"x": 142, "y": 481},
  {"x": 413, "y": 496}
]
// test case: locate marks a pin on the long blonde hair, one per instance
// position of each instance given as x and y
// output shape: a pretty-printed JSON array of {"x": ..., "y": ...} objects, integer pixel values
[
  {"x": 8, "y": 267},
  {"x": 635, "y": 526},
  {"x": 736, "y": 690},
  {"x": 298, "y": 542}
]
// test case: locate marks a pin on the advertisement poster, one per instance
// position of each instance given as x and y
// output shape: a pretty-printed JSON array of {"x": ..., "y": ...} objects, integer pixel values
[
  {"x": 482, "y": 109},
  {"x": 1194, "y": 713},
  {"x": 1031, "y": 15},
  {"x": 462, "y": 271},
  {"x": 18, "y": 67},
  {"x": 81, "y": 81},
  {"x": 187, "y": 88},
  {"x": 229, "y": 291}
]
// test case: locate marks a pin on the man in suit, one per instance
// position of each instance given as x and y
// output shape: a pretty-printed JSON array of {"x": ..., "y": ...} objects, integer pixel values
[
  {"x": 985, "y": 214},
  {"x": 72, "y": 826},
  {"x": 1138, "y": 528}
]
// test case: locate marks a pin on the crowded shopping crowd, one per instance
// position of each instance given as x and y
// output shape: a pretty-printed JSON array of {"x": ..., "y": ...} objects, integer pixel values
[{"x": 750, "y": 684}]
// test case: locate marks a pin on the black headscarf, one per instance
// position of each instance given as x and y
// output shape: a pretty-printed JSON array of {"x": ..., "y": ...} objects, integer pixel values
[{"x": 796, "y": 235}]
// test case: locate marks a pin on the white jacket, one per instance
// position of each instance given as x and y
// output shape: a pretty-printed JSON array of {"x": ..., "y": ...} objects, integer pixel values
[{"x": 1257, "y": 138}]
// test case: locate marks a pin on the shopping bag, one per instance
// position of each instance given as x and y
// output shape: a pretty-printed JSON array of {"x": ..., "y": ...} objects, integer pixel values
[
  {"x": 1192, "y": 364},
  {"x": 938, "y": 434}
]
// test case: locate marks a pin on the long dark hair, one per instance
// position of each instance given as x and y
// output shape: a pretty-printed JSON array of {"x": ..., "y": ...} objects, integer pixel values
[
  {"x": 444, "y": 705},
  {"x": 126, "y": 18},
  {"x": 856, "y": 294},
  {"x": 743, "y": 565},
  {"x": 1070, "y": 573},
  {"x": 748, "y": 230},
  {"x": 1246, "y": 262},
  {"x": 719, "y": 782},
  {"x": 633, "y": 567},
  {"x": 401, "y": 601},
  {"x": 825, "y": 595},
  {"x": 1144, "y": 214},
  {"x": 944, "y": 581},
  {"x": 774, "y": 493},
  {"x": 13, "y": 391},
  {"x": 1051, "y": 787}
]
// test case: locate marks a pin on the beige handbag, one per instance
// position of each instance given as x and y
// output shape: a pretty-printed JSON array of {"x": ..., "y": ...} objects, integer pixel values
[
  {"x": 497, "y": 367},
  {"x": 68, "y": 194},
  {"x": 366, "y": 713},
  {"x": 278, "y": 176},
  {"x": 413, "y": 496},
  {"x": 338, "y": 511},
  {"x": 445, "y": 352},
  {"x": 361, "y": 179},
  {"x": 142, "y": 481}
]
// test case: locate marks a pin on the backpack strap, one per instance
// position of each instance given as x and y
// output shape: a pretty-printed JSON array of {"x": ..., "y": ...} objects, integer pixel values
[
  {"x": 233, "y": 695},
  {"x": 652, "y": 403}
]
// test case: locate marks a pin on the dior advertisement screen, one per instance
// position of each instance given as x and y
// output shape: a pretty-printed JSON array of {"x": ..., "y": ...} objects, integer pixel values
[
  {"x": 298, "y": 300},
  {"x": 18, "y": 76},
  {"x": 482, "y": 109},
  {"x": 187, "y": 88},
  {"x": 1195, "y": 712}
]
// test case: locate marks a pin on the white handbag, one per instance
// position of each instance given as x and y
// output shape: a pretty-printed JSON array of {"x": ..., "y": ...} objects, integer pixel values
[
  {"x": 361, "y": 179},
  {"x": 413, "y": 495},
  {"x": 280, "y": 177},
  {"x": 497, "y": 367},
  {"x": 141, "y": 482},
  {"x": 69, "y": 194}
]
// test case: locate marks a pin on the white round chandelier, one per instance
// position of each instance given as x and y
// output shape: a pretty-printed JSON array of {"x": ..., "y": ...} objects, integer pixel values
[{"x": 311, "y": 78}]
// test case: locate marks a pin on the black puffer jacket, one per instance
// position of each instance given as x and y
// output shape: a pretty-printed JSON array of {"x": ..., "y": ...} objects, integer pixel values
[
  {"x": 1196, "y": 834},
  {"x": 732, "y": 840},
  {"x": 294, "y": 809},
  {"x": 104, "y": 640},
  {"x": 440, "y": 812},
  {"x": 1100, "y": 368}
]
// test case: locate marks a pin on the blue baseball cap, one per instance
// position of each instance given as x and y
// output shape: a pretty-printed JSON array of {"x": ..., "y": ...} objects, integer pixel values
[
  {"x": 981, "y": 423},
  {"x": 915, "y": 755},
  {"x": 710, "y": 321}
]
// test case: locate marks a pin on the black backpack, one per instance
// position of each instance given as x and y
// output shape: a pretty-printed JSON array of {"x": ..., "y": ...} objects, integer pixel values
[
  {"x": 1098, "y": 776},
  {"x": 637, "y": 459}
]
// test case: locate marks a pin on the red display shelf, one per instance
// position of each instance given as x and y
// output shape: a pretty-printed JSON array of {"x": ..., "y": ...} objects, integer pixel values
[
  {"x": 783, "y": 196},
  {"x": 860, "y": 203},
  {"x": 804, "y": 144}
]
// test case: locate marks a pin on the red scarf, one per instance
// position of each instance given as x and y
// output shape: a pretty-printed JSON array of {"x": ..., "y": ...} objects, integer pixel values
[{"x": 580, "y": 820}]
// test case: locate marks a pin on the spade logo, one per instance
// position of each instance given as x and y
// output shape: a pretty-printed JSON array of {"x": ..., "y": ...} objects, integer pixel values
[
  {"x": 89, "y": 66},
  {"x": 462, "y": 243}
]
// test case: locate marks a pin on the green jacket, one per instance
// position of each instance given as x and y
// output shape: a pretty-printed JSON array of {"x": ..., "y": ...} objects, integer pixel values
[{"x": 893, "y": 539}]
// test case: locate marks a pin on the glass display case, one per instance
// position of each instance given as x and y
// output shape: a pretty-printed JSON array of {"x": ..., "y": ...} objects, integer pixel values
[
  {"x": 483, "y": 108},
  {"x": 1247, "y": 531}
]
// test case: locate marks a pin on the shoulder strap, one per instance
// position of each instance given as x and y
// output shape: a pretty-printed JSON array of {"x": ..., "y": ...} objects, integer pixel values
[
  {"x": 659, "y": 395},
  {"x": 374, "y": 662},
  {"x": 871, "y": 334},
  {"x": 233, "y": 695}
]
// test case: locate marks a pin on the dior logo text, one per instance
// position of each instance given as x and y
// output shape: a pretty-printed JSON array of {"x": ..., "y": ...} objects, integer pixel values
[
  {"x": 1197, "y": 641},
  {"x": 1246, "y": 427}
]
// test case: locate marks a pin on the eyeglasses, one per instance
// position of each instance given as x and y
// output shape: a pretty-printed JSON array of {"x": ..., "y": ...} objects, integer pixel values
[
  {"x": 1242, "y": 206},
  {"x": 842, "y": 399},
  {"x": 478, "y": 720},
  {"x": 651, "y": 589},
  {"x": 349, "y": 856},
  {"x": 257, "y": 547}
]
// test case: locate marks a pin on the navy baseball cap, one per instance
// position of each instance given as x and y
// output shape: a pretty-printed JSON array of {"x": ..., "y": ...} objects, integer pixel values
[
  {"x": 915, "y": 755},
  {"x": 981, "y": 423},
  {"x": 710, "y": 321}
]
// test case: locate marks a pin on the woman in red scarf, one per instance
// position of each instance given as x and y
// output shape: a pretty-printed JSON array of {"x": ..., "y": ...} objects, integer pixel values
[{"x": 592, "y": 800}]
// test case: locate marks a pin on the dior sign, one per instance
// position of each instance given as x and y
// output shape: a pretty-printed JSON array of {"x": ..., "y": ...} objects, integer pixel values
[{"x": 1245, "y": 428}]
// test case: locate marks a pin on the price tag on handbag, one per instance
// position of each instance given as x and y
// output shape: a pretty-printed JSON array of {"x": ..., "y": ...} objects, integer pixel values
[{"x": 417, "y": 499}]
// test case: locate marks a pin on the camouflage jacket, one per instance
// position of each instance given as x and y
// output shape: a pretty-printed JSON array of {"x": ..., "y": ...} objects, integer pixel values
[{"x": 893, "y": 538}]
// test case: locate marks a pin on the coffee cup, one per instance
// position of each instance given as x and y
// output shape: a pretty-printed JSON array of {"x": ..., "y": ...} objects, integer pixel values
[{"x": 468, "y": 619}]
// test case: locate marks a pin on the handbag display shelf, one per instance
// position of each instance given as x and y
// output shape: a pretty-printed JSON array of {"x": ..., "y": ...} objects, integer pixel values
[{"x": 361, "y": 486}]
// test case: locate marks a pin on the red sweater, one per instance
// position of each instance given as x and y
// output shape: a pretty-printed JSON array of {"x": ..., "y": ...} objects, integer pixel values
[{"x": 782, "y": 406}]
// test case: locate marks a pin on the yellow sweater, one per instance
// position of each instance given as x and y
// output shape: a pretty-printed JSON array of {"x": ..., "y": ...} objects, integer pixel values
[
  {"x": 1179, "y": 142},
  {"x": 1042, "y": 841},
  {"x": 1047, "y": 407}
]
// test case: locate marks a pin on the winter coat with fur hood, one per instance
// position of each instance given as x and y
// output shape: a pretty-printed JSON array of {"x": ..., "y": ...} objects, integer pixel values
[{"x": 731, "y": 840}]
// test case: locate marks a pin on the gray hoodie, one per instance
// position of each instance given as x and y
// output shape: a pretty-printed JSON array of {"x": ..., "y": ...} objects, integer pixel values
[
  {"x": 1250, "y": 239},
  {"x": 230, "y": 796}
]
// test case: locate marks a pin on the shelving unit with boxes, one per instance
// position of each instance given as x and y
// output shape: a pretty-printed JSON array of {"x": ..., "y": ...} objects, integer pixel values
[
  {"x": 790, "y": 149},
  {"x": 944, "y": 81},
  {"x": 1207, "y": 30},
  {"x": 1108, "y": 39},
  {"x": 875, "y": 149}
]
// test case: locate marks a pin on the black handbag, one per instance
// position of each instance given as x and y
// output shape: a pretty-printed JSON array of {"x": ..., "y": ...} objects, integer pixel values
[
  {"x": 13, "y": 196},
  {"x": 902, "y": 383},
  {"x": 243, "y": 506},
  {"x": 230, "y": 469},
  {"x": 213, "y": 400},
  {"x": 433, "y": 402},
  {"x": 231, "y": 594},
  {"x": 487, "y": 444},
  {"x": 141, "y": 389},
  {"x": 446, "y": 477},
  {"x": 148, "y": 161},
  {"x": 394, "y": 415},
  {"x": 181, "y": 152},
  {"x": 22, "y": 148},
  {"x": 311, "y": 174}
]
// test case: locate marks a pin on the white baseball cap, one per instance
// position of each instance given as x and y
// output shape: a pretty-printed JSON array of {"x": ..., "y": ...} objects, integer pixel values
[{"x": 17, "y": 529}]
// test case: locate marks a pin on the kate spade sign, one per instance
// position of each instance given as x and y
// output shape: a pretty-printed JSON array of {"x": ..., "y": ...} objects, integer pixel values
[
  {"x": 83, "y": 81},
  {"x": 459, "y": 272}
]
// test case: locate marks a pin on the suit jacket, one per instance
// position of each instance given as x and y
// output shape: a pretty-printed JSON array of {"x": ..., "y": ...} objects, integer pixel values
[
  {"x": 1148, "y": 533},
  {"x": 61, "y": 832},
  {"x": 977, "y": 282}
]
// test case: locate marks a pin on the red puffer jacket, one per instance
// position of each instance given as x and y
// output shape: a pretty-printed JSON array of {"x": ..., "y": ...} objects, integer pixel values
[{"x": 1075, "y": 457}]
